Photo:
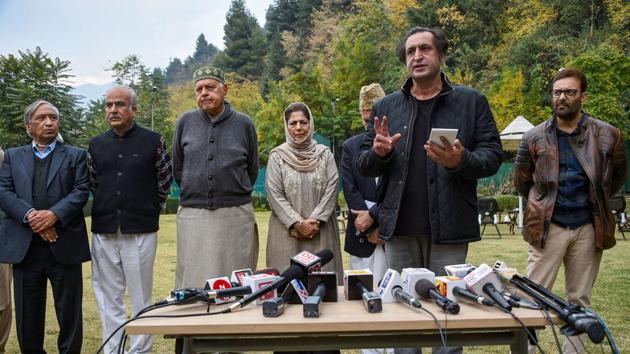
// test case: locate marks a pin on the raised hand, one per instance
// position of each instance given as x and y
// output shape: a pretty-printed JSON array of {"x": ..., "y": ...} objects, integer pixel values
[{"x": 383, "y": 143}]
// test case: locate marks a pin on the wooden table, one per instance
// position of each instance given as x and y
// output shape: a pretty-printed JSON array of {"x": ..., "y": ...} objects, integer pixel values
[{"x": 342, "y": 325}]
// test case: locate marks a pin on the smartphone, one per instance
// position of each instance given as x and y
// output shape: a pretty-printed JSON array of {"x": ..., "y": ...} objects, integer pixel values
[{"x": 437, "y": 133}]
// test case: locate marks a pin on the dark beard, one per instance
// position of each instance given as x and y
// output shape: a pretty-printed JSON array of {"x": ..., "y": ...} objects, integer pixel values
[{"x": 569, "y": 114}]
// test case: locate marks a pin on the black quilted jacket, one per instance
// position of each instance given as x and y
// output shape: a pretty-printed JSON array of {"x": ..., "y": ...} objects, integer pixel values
[{"x": 452, "y": 193}]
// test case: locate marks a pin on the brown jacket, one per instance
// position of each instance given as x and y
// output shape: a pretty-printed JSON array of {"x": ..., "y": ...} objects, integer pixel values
[{"x": 600, "y": 150}]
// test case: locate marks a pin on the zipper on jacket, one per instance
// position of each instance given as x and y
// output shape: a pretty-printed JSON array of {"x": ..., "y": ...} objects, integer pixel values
[{"x": 407, "y": 150}]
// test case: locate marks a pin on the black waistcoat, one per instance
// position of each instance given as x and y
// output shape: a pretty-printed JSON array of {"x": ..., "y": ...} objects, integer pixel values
[{"x": 126, "y": 196}]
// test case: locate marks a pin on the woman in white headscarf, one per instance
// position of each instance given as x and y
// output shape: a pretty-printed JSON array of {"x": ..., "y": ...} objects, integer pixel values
[{"x": 302, "y": 190}]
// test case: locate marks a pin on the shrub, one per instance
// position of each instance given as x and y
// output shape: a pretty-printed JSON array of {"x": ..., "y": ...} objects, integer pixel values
[
  {"x": 171, "y": 206},
  {"x": 260, "y": 202},
  {"x": 87, "y": 209},
  {"x": 507, "y": 202},
  {"x": 341, "y": 200}
]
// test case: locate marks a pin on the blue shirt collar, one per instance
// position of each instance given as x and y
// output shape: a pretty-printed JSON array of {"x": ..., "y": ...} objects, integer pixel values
[{"x": 47, "y": 150}]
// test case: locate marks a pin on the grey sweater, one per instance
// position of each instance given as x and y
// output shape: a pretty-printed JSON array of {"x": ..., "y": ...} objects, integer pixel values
[{"x": 215, "y": 163}]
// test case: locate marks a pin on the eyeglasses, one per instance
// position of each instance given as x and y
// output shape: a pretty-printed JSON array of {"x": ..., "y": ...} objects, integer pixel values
[{"x": 567, "y": 92}]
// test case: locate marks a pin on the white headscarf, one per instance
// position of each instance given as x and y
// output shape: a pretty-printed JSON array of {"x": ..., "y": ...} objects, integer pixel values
[{"x": 301, "y": 156}]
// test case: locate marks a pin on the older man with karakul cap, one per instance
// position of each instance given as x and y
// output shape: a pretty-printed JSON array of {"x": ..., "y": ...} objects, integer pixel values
[{"x": 215, "y": 163}]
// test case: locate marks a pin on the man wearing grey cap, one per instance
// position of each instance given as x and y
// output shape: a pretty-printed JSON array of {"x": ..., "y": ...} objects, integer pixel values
[
  {"x": 366, "y": 249},
  {"x": 215, "y": 164},
  {"x": 362, "y": 241}
]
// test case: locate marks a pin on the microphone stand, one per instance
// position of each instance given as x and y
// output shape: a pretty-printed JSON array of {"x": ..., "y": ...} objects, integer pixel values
[{"x": 578, "y": 320}]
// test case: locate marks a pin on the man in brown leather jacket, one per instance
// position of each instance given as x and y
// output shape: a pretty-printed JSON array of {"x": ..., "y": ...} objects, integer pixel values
[{"x": 568, "y": 167}]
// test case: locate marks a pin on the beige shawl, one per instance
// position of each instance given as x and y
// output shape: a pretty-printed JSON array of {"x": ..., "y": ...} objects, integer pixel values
[{"x": 303, "y": 157}]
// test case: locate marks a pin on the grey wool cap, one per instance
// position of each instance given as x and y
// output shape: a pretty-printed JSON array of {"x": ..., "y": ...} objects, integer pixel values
[{"x": 369, "y": 95}]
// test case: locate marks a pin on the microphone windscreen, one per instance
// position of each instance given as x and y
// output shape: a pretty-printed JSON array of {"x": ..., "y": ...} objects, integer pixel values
[
  {"x": 293, "y": 272},
  {"x": 326, "y": 256},
  {"x": 423, "y": 287},
  {"x": 297, "y": 272}
]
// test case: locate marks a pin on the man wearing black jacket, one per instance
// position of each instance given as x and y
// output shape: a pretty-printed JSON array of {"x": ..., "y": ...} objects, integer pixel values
[{"x": 427, "y": 199}]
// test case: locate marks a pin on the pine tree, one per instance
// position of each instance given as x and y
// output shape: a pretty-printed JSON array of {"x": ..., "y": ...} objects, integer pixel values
[{"x": 244, "y": 41}]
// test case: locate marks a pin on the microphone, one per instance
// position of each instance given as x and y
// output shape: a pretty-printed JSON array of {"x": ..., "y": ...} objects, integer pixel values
[
  {"x": 179, "y": 296},
  {"x": 390, "y": 280},
  {"x": 410, "y": 276},
  {"x": 483, "y": 280},
  {"x": 308, "y": 261},
  {"x": 193, "y": 294},
  {"x": 294, "y": 293},
  {"x": 465, "y": 294},
  {"x": 427, "y": 290},
  {"x": 355, "y": 288},
  {"x": 496, "y": 295},
  {"x": 511, "y": 301},
  {"x": 220, "y": 283},
  {"x": 229, "y": 292},
  {"x": 391, "y": 290},
  {"x": 446, "y": 284},
  {"x": 323, "y": 286},
  {"x": 371, "y": 301},
  {"x": 405, "y": 298},
  {"x": 295, "y": 271}
]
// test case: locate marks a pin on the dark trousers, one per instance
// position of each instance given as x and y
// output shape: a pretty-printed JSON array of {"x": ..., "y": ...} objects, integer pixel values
[{"x": 29, "y": 282}]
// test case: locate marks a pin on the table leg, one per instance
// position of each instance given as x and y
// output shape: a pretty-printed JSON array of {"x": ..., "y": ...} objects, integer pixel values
[
  {"x": 188, "y": 346},
  {"x": 519, "y": 346}
]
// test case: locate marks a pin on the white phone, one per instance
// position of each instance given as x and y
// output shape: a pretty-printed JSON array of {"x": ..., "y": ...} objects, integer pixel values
[{"x": 449, "y": 134}]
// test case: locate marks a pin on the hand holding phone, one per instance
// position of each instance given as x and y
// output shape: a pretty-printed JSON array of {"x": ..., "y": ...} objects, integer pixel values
[{"x": 437, "y": 133}]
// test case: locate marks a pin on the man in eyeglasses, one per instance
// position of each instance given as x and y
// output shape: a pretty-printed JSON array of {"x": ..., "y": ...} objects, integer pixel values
[{"x": 568, "y": 167}]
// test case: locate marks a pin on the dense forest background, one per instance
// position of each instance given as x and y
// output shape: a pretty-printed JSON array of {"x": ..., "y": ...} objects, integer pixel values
[{"x": 322, "y": 51}]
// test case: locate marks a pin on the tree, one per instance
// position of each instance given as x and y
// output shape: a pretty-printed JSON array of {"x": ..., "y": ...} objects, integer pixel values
[
  {"x": 177, "y": 72},
  {"x": 154, "y": 110},
  {"x": 507, "y": 98},
  {"x": 244, "y": 43},
  {"x": 182, "y": 97},
  {"x": 607, "y": 70},
  {"x": 128, "y": 71},
  {"x": 94, "y": 122},
  {"x": 289, "y": 25},
  {"x": 30, "y": 76}
]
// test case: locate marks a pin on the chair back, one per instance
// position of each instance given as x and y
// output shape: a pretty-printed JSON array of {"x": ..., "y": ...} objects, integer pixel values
[
  {"x": 487, "y": 207},
  {"x": 617, "y": 205}
]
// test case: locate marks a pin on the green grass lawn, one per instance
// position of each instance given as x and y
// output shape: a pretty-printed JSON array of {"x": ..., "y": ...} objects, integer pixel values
[{"x": 610, "y": 296}]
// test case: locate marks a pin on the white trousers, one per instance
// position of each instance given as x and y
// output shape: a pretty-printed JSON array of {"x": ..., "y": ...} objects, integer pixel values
[
  {"x": 119, "y": 261},
  {"x": 377, "y": 263}
]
